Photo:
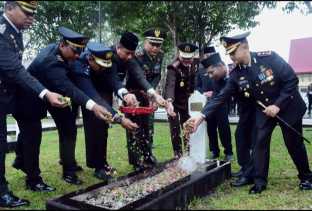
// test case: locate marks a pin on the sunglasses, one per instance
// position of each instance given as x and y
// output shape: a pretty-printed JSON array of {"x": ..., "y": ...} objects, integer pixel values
[
  {"x": 76, "y": 50},
  {"x": 157, "y": 45}
]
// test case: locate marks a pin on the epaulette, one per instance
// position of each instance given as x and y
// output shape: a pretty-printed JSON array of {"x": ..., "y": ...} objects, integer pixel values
[
  {"x": 59, "y": 58},
  {"x": 139, "y": 53},
  {"x": 176, "y": 63},
  {"x": 264, "y": 53},
  {"x": 2, "y": 28}
]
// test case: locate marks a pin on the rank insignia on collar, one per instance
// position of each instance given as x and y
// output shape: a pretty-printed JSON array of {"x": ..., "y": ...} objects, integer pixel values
[
  {"x": 242, "y": 78},
  {"x": 2, "y": 28}
]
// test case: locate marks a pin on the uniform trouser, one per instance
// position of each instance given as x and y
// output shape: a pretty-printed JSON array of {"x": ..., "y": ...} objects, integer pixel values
[
  {"x": 219, "y": 121},
  {"x": 295, "y": 147},
  {"x": 67, "y": 130},
  {"x": 151, "y": 128},
  {"x": 138, "y": 139},
  {"x": 3, "y": 150},
  {"x": 96, "y": 134},
  {"x": 245, "y": 136},
  {"x": 28, "y": 148},
  {"x": 310, "y": 104},
  {"x": 175, "y": 131}
]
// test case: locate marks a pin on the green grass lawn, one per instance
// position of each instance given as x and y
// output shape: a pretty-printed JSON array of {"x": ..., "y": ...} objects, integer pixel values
[{"x": 282, "y": 191}]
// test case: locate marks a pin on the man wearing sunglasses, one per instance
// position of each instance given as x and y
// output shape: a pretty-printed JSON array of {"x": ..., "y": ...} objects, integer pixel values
[
  {"x": 17, "y": 16},
  {"x": 52, "y": 67}
]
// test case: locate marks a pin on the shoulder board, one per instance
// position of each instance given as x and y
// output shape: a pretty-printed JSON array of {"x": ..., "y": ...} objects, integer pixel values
[
  {"x": 264, "y": 53},
  {"x": 139, "y": 53},
  {"x": 176, "y": 63},
  {"x": 2, "y": 28},
  {"x": 59, "y": 58}
]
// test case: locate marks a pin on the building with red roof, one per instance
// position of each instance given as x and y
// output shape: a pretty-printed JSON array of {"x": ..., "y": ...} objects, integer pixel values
[{"x": 300, "y": 58}]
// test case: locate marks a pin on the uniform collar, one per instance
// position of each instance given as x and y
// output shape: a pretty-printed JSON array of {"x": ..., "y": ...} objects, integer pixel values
[{"x": 10, "y": 22}]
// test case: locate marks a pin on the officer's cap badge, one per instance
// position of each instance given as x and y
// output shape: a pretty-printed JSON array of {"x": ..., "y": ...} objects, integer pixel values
[
  {"x": 157, "y": 32},
  {"x": 109, "y": 55},
  {"x": 187, "y": 48}
]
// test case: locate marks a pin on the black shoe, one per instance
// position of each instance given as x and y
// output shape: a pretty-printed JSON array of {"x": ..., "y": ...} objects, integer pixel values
[
  {"x": 110, "y": 170},
  {"x": 101, "y": 174},
  {"x": 72, "y": 179},
  {"x": 237, "y": 174},
  {"x": 305, "y": 185},
  {"x": 150, "y": 161},
  {"x": 257, "y": 189},
  {"x": 214, "y": 155},
  {"x": 139, "y": 167},
  {"x": 242, "y": 181},
  {"x": 229, "y": 158},
  {"x": 39, "y": 187},
  {"x": 11, "y": 201}
]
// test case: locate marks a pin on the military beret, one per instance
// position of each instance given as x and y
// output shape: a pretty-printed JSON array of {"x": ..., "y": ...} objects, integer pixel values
[
  {"x": 211, "y": 60},
  {"x": 187, "y": 50},
  {"x": 102, "y": 55},
  {"x": 209, "y": 49},
  {"x": 155, "y": 35},
  {"x": 129, "y": 40},
  {"x": 28, "y": 6},
  {"x": 232, "y": 43},
  {"x": 74, "y": 39}
]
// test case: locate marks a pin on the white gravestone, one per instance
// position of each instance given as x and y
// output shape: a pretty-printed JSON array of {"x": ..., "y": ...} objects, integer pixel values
[{"x": 199, "y": 139}]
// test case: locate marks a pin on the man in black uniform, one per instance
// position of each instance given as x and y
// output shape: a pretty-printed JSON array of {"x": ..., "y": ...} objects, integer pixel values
[
  {"x": 52, "y": 67},
  {"x": 16, "y": 17},
  {"x": 150, "y": 60},
  {"x": 309, "y": 95},
  {"x": 216, "y": 70},
  {"x": 180, "y": 84},
  {"x": 96, "y": 76},
  {"x": 265, "y": 78},
  {"x": 128, "y": 68}
]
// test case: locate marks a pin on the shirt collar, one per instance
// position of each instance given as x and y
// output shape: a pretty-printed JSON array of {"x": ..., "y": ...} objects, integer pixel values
[{"x": 10, "y": 22}]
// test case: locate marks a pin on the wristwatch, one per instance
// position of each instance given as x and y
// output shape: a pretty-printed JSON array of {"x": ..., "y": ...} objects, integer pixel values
[{"x": 118, "y": 119}]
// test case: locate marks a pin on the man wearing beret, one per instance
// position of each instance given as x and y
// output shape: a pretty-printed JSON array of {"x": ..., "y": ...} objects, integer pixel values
[
  {"x": 17, "y": 16},
  {"x": 150, "y": 60},
  {"x": 217, "y": 72},
  {"x": 127, "y": 65},
  {"x": 96, "y": 75},
  {"x": 180, "y": 84},
  {"x": 271, "y": 83},
  {"x": 52, "y": 67}
]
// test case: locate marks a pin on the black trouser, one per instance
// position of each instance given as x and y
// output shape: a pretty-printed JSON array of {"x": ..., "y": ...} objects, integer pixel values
[
  {"x": 245, "y": 136},
  {"x": 3, "y": 150},
  {"x": 96, "y": 134},
  {"x": 175, "y": 131},
  {"x": 65, "y": 122},
  {"x": 138, "y": 139},
  {"x": 295, "y": 147},
  {"x": 219, "y": 121},
  {"x": 310, "y": 104},
  {"x": 28, "y": 148},
  {"x": 151, "y": 128}
]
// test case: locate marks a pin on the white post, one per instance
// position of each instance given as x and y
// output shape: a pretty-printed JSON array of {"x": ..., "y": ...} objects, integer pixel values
[{"x": 199, "y": 139}]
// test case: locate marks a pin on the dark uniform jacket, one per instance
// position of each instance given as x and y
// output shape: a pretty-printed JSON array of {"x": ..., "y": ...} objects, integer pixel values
[
  {"x": 270, "y": 80},
  {"x": 98, "y": 86},
  {"x": 132, "y": 72},
  {"x": 151, "y": 66},
  {"x": 53, "y": 72},
  {"x": 180, "y": 83},
  {"x": 12, "y": 72},
  {"x": 203, "y": 82}
]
